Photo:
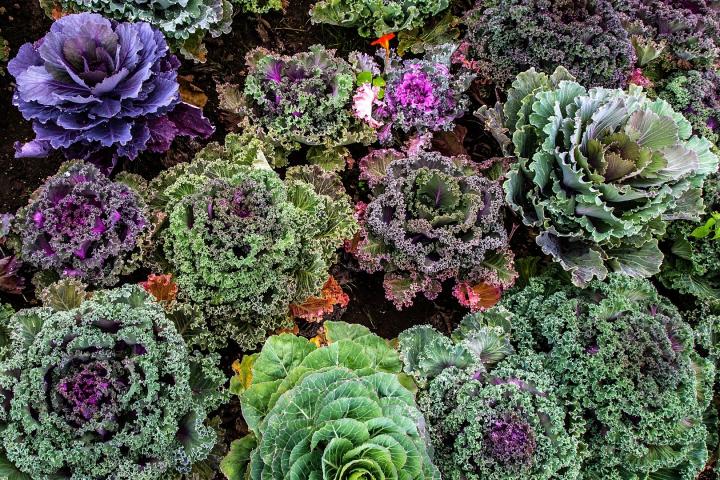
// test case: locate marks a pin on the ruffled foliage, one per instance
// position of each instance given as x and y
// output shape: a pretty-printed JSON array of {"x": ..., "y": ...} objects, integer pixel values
[
  {"x": 696, "y": 95},
  {"x": 687, "y": 31},
  {"x": 692, "y": 261},
  {"x": 104, "y": 388},
  {"x": 432, "y": 218},
  {"x": 11, "y": 280},
  {"x": 338, "y": 411},
  {"x": 418, "y": 96},
  {"x": 624, "y": 360},
  {"x": 303, "y": 99},
  {"x": 491, "y": 414},
  {"x": 315, "y": 309},
  {"x": 244, "y": 244},
  {"x": 184, "y": 23},
  {"x": 506, "y": 37},
  {"x": 99, "y": 90},
  {"x": 81, "y": 224},
  {"x": 375, "y": 18},
  {"x": 600, "y": 172}
]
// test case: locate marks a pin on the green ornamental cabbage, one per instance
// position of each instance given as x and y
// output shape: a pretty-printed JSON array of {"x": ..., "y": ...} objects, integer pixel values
[
  {"x": 625, "y": 364},
  {"x": 601, "y": 172},
  {"x": 103, "y": 388},
  {"x": 338, "y": 412},
  {"x": 242, "y": 243}
]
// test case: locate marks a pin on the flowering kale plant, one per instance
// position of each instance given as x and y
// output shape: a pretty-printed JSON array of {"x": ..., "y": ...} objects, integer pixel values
[
  {"x": 419, "y": 96},
  {"x": 244, "y": 244},
  {"x": 432, "y": 218},
  {"x": 498, "y": 424},
  {"x": 374, "y": 18},
  {"x": 103, "y": 388},
  {"x": 624, "y": 361},
  {"x": 506, "y": 37},
  {"x": 81, "y": 224},
  {"x": 600, "y": 172},
  {"x": 341, "y": 411},
  {"x": 100, "y": 90},
  {"x": 183, "y": 22},
  {"x": 303, "y": 99}
]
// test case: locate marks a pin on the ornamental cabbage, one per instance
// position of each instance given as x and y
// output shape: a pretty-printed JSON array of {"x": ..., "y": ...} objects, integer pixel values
[
  {"x": 103, "y": 388},
  {"x": 336, "y": 411},
  {"x": 375, "y": 18},
  {"x": 303, "y": 99},
  {"x": 601, "y": 172},
  {"x": 99, "y": 90},
  {"x": 243, "y": 244},
  {"x": 624, "y": 361},
  {"x": 184, "y": 23},
  {"x": 81, "y": 224},
  {"x": 419, "y": 96},
  {"x": 506, "y": 37},
  {"x": 489, "y": 422},
  {"x": 692, "y": 261},
  {"x": 432, "y": 218}
]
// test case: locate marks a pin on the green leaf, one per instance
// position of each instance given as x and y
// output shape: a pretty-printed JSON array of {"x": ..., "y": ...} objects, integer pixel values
[
  {"x": 8, "y": 470},
  {"x": 364, "y": 77},
  {"x": 234, "y": 465},
  {"x": 64, "y": 295}
]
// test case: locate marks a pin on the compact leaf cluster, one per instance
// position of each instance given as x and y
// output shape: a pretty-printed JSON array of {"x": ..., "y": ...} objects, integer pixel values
[{"x": 490, "y": 252}]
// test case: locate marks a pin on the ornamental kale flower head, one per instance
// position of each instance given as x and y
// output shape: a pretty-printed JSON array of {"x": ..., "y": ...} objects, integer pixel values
[
  {"x": 432, "y": 218},
  {"x": 506, "y": 37},
  {"x": 99, "y": 90},
  {"x": 81, "y": 224},
  {"x": 624, "y": 361},
  {"x": 334, "y": 412},
  {"x": 600, "y": 172},
  {"x": 504, "y": 424},
  {"x": 244, "y": 244},
  {"x": 303, "y": 99},
  {"x": 103, "y": 388},
  {"x": 375, "y": 19},
  {"x": 184, "y": 23},
  {"x": 419, "y": 95}
]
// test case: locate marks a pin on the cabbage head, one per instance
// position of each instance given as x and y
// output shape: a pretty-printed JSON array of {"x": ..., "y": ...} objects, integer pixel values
[
  {"x": 600, "y": 172},
  {"x": 340, "y": 411}
]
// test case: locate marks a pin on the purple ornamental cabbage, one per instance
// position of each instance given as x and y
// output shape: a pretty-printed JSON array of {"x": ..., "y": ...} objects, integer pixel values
[
  {"x": 420, "y": 96},
  {"x": 94, "y": 88},
  {"x": 82, "y": 225},
  {"x": 432, "y": 218}
]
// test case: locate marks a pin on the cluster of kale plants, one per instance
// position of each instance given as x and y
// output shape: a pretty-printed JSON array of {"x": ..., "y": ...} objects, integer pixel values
[{"x": 608, "y": 114}]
